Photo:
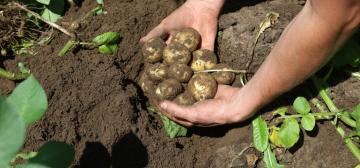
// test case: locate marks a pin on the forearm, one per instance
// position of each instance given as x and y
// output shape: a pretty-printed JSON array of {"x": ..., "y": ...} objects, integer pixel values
[
  {"x": 306, "y": 45},
  {"x": 213, "y": 5}
]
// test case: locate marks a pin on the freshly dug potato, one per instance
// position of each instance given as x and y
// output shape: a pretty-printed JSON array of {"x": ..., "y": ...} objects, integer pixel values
[
  {"x": 202, "y": 86},
  {"x": 180, "y": 72},
  {"x": 157, "y": 72},
  {"x": 185, "y": 99},
  {"x": 147, "y": 86},
  {"x": 224, "y": 78},
  {"x": 168, "y": 89},
  {"x": 203, "y": 59},
  {"x": 153, "y": 50},
  {"x": 189, "y": 37},
  {"x": 176, "y": 53}
]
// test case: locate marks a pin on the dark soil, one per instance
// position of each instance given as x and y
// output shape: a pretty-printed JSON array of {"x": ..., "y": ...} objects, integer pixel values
[{"x": 96, "y": 105}]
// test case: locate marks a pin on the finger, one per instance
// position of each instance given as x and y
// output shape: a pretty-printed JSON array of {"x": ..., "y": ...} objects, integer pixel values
[
  {"x": 225, "y": 90},
  {"x": 157, "y": 31},
  {"x": 176, "y": 111},
  {"x": 208, "y": 37},
  {"x": 168, "y": 41}
]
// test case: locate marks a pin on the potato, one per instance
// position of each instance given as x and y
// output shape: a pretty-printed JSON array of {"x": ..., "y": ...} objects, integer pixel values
[
  {"x": 147, "y": 86},
  {"x": 153, "y": 49},
  {"x": 180, "y": 72},
  {"x": 203, "y": 59},
  {"x": 202, "y": 86},
  {"x": 224, "y": 78},
  {"x": 176, "y": 53},
  {"x": 157, "y": 72},
  {"x": 189, "y": 37},
  {"x": 185, "y": 99},
  {"x": 168, "y": 89}
]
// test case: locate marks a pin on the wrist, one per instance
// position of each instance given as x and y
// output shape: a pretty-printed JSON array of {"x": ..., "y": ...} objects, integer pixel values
[
  {"x": 213, "y": 5},
  {"x": 248, "y": 101}
]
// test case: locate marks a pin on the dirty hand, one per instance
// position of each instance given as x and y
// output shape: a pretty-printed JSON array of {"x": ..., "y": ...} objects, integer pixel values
[
  {"x": 198, "y": 14},
  {"x": 225, "y": 108}
]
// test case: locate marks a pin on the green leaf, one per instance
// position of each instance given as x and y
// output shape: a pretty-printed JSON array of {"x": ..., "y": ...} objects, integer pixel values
[
  {"x": 108, "y": 49},
  {"x": 172, "y": 129},
  {"x": 29, "y": 100},
  {"x": 358, "y": 127},
  {"x": 289, "y": 132},
  {"x": 107, "y": 38},
  {"x": 301, "y": 105},
  {"x": 45, "y": 2},
  {"x": 356, "y": 113},
  {"x": 12, "y": 133},
  {"x": 100, "y": 2},
  {"x": 270, "y": 159},
  {"x": 260, "y": 134},
  {"x": 280, "y": 111},
  {"x": 53, "y": 11},
  {"x": 55, "y": 155},
  {"x": 308, "y": 122}
]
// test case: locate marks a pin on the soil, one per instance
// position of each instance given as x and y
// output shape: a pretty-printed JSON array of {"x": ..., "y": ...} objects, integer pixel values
[{"x": 96, "y": 105}]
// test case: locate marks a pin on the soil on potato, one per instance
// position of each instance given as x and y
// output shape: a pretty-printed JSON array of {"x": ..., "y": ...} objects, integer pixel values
[{"x": 96, "y": 105}]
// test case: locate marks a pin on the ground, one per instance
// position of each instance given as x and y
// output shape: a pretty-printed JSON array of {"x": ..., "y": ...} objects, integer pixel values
[{"x": 96, "y": 105}]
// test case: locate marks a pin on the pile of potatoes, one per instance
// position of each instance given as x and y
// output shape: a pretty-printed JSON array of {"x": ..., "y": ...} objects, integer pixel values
[{"x": 173, "y": 72}]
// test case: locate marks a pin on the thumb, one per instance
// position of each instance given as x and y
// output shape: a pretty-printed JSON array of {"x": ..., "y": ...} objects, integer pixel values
[
  {"x": 177, "y": 111},
  {"x": 157, "y": 31}
]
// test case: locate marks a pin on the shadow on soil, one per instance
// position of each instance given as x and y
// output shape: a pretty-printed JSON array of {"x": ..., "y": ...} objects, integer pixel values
[{"x": 127, "y": 152}]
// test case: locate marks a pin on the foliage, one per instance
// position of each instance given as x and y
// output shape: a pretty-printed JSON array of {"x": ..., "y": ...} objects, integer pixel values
[
  {"x": 107, "y": 43},
  {"x": 52, "y": 9},
  {"x": 270, "y": 159},
  {"x": 25, "y": 105},
  {"x": 172, "y": 129},
  {"x": 260, "y": 134},
  {"x": 287, "y": 135}
]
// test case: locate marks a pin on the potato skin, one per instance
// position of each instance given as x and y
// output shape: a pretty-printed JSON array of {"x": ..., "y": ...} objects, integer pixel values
[
  {"x": 153, "y": 49},
  {"x": 168, "y": 89},
  {"x": 189, "y": 37},
  {"x": 157, "y": 72},
  {"x": 180, "y": 72},
  {"x": 202, "y": 86},
  {"x": 176, "y": 53},
  {"x": 146, "y": 85},
  {"x": 185, "y": 99},
  {"x": 225, "y": 78},
  {"x": 203, "y": 59}
]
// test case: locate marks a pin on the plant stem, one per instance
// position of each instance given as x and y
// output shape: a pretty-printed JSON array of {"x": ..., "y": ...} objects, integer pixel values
[
  {"x": 353, "y": 148},
  {"x": 12, "y": 76},
  {"x": 54, "y": 25},
  {"x": 222, "y": 70},
  {"x": 329, "y": 103},
  {"x": 319, "y": 114},
  {"x": 348, "y": 142},
  {"x": 356, "y": 75}
]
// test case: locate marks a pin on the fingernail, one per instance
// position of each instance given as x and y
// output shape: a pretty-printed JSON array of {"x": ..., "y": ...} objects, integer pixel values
[{"x": 163, "y": 105}]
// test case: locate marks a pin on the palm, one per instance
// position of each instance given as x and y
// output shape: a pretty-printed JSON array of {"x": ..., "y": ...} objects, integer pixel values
[{"x": 192, "y": 15}]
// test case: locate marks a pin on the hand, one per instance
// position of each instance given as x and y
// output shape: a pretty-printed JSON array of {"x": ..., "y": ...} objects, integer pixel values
[
  {"x": 225, "y": 108},
  {"x": 198, "y": 14}
]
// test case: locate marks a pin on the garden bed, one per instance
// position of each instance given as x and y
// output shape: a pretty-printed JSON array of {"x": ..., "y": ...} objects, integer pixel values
[{"x": 96, "y": 105}]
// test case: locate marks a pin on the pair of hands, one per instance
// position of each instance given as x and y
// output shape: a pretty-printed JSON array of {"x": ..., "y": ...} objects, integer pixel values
[{"x": 224, "y": 108}]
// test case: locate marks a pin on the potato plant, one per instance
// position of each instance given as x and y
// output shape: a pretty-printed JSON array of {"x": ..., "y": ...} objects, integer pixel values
[
  {"x": 107, "y": 43},
  {"x": 181, "y": 72},
  {"x": 24, "y": 106}
]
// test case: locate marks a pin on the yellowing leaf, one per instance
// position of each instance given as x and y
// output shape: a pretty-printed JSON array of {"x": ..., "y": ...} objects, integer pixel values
[{"x": 274, "y": 137}]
